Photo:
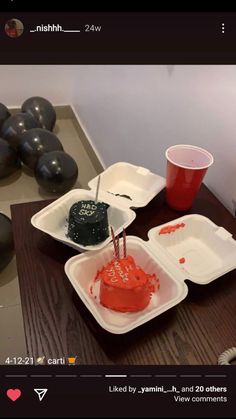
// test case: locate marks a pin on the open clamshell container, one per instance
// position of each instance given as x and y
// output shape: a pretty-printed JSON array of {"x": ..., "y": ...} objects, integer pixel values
[
  {"x": 208, "y": 251},
  {"x": 138, "y": 184}
]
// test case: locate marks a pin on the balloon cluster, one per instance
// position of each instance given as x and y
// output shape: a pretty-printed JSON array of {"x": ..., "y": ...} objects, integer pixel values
[{"x": 27, "y": 137}]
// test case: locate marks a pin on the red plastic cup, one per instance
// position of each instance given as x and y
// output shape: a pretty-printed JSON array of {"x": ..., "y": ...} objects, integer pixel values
[{"x": 186, "y": 168}]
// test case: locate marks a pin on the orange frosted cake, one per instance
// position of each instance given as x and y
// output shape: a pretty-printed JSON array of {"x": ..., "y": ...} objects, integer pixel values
[{"x": 124, "y": 286}]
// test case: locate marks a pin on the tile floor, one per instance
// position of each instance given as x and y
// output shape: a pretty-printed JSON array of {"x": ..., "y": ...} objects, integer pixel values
[{"x": 23, "y": 187}]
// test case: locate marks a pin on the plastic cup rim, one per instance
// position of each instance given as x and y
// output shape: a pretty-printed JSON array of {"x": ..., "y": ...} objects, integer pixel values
[{"x": 195, "y": 148}]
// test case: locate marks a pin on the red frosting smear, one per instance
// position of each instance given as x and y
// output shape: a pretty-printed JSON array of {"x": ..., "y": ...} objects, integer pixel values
[
  {"x": 124, "y": 286},
  {"x": 182, "y": 260},
  {"x": 171, "y": 228}
]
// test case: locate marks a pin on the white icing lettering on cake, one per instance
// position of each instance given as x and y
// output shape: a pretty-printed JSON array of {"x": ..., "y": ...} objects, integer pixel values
[
  {"x": 123, "y": 275},
  {"x": 111, "y": 274},
  {"x": 86, "y": 212},
  {"x": 129, "y": 268},
  {"x": 89, "y": 207}
]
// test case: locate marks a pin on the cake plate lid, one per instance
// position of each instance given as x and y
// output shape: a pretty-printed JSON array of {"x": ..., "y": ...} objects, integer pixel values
[
  {"x": 136, "y": 186},
  {"x": 201, "y": 250}
]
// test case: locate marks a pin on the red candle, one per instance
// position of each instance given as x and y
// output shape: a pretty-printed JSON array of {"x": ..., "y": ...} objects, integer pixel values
[
  {"x": 124, "y": 243},
  {"x": 114, "y": 243}
]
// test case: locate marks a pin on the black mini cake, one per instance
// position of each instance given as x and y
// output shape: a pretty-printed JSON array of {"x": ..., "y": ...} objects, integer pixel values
[{"x": 88, "y": 222}]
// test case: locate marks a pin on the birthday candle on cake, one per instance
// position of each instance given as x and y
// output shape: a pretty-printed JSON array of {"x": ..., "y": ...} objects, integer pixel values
[
  {"x": 118, "y": 247},
  {"x": 124, "y": 243},
  {"x": 97, "y": 189},
  {"x": 114, "y": 243}
]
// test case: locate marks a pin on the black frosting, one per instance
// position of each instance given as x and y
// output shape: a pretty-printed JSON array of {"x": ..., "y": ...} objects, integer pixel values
[{"x": 88, "y": 222}]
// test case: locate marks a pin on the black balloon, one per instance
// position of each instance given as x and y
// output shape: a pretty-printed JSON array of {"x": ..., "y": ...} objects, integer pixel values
[
  {"x": 9, "y": 159},
  {"x": 42, "y": 111},
  {"x": 15, "y": 126},
  {"x": 34, "y": 143},
  {"x": 4, "y": 114},
  {"x": 6, "y": 241},
  {"x": 56, "y": 171}
]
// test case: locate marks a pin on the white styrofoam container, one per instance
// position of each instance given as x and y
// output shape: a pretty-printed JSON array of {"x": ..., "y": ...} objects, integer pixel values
[
  {"x": 209, "y": 250},
  {"x": 138, "y": 183},
  {"x": 81, "y": 271}
]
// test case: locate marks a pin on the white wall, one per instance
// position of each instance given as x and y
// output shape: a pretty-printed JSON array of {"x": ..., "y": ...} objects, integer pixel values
[
  {"x": 133, "y": 113},
  {"x": 17, "y": 83}
]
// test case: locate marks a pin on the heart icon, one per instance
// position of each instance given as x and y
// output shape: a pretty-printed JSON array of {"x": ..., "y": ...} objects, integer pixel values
[{"x": 13, "y": 394}]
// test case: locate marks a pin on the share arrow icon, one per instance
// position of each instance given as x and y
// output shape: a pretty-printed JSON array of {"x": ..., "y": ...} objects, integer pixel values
[{"x": 41, "y": 392}]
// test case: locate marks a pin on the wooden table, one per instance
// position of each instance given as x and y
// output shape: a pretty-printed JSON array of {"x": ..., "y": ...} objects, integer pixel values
[{"x": 57, "y": 323}]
